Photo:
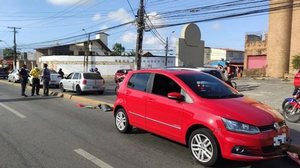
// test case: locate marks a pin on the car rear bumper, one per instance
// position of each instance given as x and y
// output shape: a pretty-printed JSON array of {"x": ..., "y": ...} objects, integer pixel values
[
  {"x": 252, "y": 147},
  {"x": 90, "y": 88}
]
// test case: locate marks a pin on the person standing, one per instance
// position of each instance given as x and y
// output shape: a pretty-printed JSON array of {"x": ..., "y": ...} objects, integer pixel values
[
  {"x": 23, "y": 79},
  {"x": 46, "y": 80},
  {"x": 96, "y": 70},
  {"x": 61, "y": 73},
  {"x": 35, "y": 73}
]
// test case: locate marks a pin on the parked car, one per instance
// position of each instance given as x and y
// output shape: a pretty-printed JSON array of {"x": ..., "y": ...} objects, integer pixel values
[
  {"x": 54, "y": 79},
  {"x": 14, "y": 76},
  {"x": 83, "y": 82},
  {"x": 121, "y": 73},
  {"x": 196, "y": 109},
  {"x": 3, "y": 73}
]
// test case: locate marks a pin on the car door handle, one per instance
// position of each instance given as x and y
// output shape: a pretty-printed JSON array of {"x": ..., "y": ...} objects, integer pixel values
[{"x": 150, "y": 100}]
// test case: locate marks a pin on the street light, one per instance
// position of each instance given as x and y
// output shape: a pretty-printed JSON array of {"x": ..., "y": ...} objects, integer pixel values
[{"x": 167, "y": 49}]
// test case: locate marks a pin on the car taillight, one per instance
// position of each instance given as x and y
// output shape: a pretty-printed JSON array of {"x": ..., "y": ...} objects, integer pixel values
[{"x": 84, "y": 82}]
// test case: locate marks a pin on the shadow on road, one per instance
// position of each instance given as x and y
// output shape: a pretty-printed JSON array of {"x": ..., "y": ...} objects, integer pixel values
[
  {"x": 242, "y": 88},
  {"x": 27, "y": 99}
]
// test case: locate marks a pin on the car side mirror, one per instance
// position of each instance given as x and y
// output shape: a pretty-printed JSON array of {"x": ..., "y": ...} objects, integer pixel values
[{"x": 175, "y": 96}]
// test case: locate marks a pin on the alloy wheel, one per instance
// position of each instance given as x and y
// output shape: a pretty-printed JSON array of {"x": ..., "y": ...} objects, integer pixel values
[
  {"x": 121, "y": 121},
  {"x": 202, "y": 148}
]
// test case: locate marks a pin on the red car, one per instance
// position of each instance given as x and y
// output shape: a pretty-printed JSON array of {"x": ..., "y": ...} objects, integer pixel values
[
  {"x": 121, "y": 73},
  {"x": 297, "y": 80},
  {"x": 202, "y": 112}
]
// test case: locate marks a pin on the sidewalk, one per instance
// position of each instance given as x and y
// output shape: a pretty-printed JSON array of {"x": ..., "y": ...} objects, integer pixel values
[{"x": 90, "y": 101}]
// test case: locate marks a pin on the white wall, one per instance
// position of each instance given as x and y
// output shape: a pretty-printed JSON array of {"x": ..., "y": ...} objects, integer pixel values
[{"x": 107, "y": 65}]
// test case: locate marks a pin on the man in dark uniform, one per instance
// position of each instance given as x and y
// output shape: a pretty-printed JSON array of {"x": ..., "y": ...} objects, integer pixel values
[
  {"x": 23, "y": 79},
  {"x": 46, "y": 79}
]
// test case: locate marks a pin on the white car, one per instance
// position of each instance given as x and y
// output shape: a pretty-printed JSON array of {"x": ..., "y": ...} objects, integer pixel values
[
  {"x": 14, "y": 76},
  {"x": 54, "y": 79},
  {"x": 83, "y": 82}
]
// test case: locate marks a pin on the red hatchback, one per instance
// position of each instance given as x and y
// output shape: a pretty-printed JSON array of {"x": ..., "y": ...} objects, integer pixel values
[{"x": 202, "y": 112}]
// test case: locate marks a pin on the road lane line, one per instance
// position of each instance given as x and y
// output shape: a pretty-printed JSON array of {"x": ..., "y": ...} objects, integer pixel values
[
  {"x": 12, "y": 110},
  {"x": 92, "y": 158}
]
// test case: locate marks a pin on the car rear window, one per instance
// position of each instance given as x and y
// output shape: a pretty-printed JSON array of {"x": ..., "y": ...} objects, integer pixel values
[
  {"x": 139, "y": 81},
  {"x": 92, "y": 76},
  {"x": 214, "y": 73}
]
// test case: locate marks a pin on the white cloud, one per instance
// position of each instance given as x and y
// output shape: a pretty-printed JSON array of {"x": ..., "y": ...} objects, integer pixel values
[
  {"x": 129, "y": 37},
  {"x": 121, "y": 15},
  {"x": 216, "y": 26},
  {"x": 96, "y": 17},
  {"x": 68, "y": 2}
]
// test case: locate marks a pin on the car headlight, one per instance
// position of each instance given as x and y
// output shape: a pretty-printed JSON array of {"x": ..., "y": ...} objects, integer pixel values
[{"x": 236, "y": 126}]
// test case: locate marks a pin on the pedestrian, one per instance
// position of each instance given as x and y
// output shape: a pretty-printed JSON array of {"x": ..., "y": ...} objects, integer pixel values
[
  {"x": 46, "y": 80},
  {"x": 23, "y": 79},
  {"x": 61, "y": 73},
  {"x": 91, "y": 70},
  {"x": 228, "y": 71},
  {"x": 96, "y": 70},
  {"x": 35, "y": 73}
]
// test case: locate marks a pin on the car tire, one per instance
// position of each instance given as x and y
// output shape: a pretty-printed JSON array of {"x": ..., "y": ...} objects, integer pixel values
[
  {"x": 122, "y": 122},
  {"x": 204, "y": 147},
  {"x": 61, "y": 86},
  {"x": 78, "y": 90}
]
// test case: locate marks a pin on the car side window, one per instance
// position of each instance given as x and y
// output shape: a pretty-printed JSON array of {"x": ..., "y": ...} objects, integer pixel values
[
  {"x": 139, "y": 81},
  {"x": 163, "y": 85},
  {"x": 69, "y": 76},
  {"x": 76, "y": 75}
]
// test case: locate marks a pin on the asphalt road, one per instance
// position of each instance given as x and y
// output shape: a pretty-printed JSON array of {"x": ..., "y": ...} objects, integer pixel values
[{"x": 53, "y": 132}]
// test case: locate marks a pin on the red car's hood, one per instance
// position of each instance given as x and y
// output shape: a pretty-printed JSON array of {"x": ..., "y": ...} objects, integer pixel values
[{"x": 246, "y": 110}]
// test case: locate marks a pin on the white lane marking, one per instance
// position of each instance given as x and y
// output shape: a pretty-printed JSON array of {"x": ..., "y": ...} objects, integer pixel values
[
  {"x": 92, "y": 158},
  {"x": 12, "y": 110}
]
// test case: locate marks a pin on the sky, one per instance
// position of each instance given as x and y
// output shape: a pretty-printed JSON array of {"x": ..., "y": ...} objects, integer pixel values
[{"x": 47, "y": 20}]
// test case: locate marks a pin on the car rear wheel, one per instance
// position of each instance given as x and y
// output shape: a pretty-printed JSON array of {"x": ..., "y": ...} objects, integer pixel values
[
  {"x": 204, "y": 148},
  {"x": 122, "y": 122},
  {"x": 61, "y": 86},
  {"x": 78, "y": 90}
]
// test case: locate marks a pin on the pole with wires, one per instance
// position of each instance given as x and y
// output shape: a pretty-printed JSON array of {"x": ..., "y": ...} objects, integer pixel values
[
  {"x": 167, "y": 50},
  {"x": 15, "y": 46},
  {"x": 140, "y": 33}
]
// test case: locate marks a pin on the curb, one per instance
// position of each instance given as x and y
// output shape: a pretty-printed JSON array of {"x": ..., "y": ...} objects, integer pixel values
[{"x": 74, "y": 98}]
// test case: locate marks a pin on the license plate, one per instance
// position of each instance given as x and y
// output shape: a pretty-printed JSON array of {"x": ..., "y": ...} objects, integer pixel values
[{"x": 280, "y": 139}]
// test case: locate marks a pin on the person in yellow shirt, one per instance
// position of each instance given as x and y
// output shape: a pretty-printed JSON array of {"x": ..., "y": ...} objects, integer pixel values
[{"x": 35, "y": 73}]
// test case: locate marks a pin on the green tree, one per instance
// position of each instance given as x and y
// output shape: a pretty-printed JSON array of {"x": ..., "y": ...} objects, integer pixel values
[
  {"x": 118, "y": 49},
  {"x": 130, "y": 53},
  {"x": 8, "y": 53},
  {"x": 296, "y": 61}
]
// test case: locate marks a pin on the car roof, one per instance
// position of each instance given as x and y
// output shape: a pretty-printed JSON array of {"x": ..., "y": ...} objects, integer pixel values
[{"x": 168, "y": 71}]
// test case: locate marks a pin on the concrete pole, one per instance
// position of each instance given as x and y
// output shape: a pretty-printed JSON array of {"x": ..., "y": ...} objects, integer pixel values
[
  {"x": 295, "y": 38},
  {"x": 279, "y": 35}
]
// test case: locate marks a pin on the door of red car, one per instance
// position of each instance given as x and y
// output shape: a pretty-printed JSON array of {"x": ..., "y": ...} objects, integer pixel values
[
  {"x": 164, "y": 115},
  {"x": 136, "y": 94}
]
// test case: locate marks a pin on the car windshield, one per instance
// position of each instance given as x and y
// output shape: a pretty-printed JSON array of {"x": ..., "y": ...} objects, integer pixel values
[
  {"x": 208, "y": 87},
  {"x": 53, "y": 71},
  {"x": 92, "y": 76}
]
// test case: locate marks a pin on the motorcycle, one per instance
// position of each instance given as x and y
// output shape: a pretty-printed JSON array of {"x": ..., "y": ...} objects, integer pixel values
[{"x": 291, "y": 108}]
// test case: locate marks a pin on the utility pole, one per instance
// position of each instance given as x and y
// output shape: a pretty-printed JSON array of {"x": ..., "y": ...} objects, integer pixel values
[
  {"x": 15, "y": 46},
  {"x": 140, "y": 33},
  {"x": 167, "y": 50},
  {"x": 88, "y": 53}
]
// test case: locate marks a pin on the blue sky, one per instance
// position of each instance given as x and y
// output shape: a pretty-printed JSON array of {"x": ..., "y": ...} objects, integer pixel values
[{"x": 43, "y": 20}]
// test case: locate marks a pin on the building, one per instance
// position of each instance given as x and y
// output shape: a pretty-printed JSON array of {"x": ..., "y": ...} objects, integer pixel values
[
  {"x": 283, "y": 38},
  {"x": 231, "y": 55}
]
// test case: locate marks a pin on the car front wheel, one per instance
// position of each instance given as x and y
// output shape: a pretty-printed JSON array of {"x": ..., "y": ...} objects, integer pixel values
[
  {"x": 121, "y": 121},
  {"x": 61, "y": 86},
  {"x": 204, "y": 148}
]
